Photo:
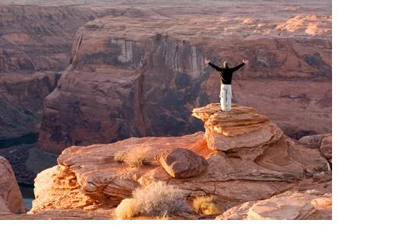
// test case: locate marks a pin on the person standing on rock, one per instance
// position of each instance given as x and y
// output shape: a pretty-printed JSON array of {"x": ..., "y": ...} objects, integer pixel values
[{"x": 226, "y": 79}]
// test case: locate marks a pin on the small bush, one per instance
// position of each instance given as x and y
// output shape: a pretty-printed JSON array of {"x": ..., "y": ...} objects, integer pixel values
[
  {"x": 205, "y": 205},
  {"x": 138, "y": 162},
  {"x": 119, "y": 156},
  {"x": 156, "y": 199},
  {"x": 126, "y": 209}
]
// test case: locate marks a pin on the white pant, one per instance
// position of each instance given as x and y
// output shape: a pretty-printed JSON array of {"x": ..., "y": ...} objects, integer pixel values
[{"x": 226, "y": 97}]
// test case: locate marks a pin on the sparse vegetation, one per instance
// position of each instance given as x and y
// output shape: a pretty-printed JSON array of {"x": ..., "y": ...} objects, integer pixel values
[
  {"x": 138, "y": 162},
  {"x": 158, "y": 199},
  {"x": 126, "y": 209},
  {"x": 135, "y": 162},
  {"x": 205, "y": 205},
  {"x": 119, "y": 156}
]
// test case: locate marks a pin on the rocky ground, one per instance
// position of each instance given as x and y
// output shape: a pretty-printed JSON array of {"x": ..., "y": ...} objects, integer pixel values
[{"x": 249, "y": 165}]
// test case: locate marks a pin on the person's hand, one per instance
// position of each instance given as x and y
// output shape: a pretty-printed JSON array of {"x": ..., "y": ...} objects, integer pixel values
[
  {"x": 245, "y": 61},
  {"x": 206, "y": 61}
]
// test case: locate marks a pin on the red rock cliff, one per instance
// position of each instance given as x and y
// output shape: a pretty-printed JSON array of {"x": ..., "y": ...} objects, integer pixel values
[{"x": 133, "y": 76}]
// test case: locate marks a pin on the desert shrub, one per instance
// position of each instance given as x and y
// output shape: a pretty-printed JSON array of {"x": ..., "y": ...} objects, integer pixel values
[
  {"x": 126, "y": 209},
  {"x": 138, "y": 162},
  {"x": 205, "y": 205},
  {"x": 119, "y": 156},
  {"x": 157, "y": 199},
  {"x": 122, "y": 157}
]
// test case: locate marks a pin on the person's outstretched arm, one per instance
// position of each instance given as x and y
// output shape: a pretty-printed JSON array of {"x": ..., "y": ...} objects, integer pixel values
[
  {"x": 215, "y": 66},
  {"x": 239, "y": 66},
  {"x": 212, "y": 65}
]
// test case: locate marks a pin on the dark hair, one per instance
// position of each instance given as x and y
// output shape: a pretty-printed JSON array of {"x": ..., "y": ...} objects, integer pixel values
[{"x": 225, "y": 64}]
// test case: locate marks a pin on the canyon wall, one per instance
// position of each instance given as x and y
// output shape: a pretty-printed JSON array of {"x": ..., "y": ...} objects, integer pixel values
[
  {"x": 35, "y": 44},
  {"x": 38, "y": 38},
  {"x": 141, "y": 72},
  {"x": 132, "y": 76},
  {"x": 35, "y": 47}
]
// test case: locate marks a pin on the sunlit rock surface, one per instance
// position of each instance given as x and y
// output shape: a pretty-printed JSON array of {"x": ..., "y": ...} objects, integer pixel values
[
  {"x": 10, "y": 195},
  {"x": 89, "y": 178}
]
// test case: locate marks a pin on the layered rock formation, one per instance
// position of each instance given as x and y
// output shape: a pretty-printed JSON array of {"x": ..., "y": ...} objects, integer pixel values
[
  {"x": 294, "y": 66},
  {"x": 242, "y": 132},
  {"x": 39, "y": 38},
  {"x": 10, "y": 195},
  {"x": 35, "y": 44},
  {"x": 290, "y": 205},
  {"x": 127, "y": 74},
  {"x": 89, "y": 178}
]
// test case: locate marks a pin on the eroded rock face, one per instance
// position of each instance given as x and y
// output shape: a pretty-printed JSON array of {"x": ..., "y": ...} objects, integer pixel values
[
  {"x": 289, "y": 54},
  {"x": 35, "y": 47},
  {"x": 242, "y": 132},
  {"x": 39, "y": 38},
  {"x": 130, "y": 76},
  {"x": 182, "y": 163},
  {"x": 58, "y": 187},
  {"x": 289, "y": 205},
  {"x": 10, "y": 195},
  {"x": 307, "y": 24}
]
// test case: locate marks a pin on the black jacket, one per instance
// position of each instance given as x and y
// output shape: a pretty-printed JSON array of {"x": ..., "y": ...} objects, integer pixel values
[{"x": 226, "y": 73}]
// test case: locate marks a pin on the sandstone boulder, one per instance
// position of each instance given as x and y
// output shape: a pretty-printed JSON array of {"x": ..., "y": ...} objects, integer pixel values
[
  {"x": 182, "y": 163},
  {"x": 326, "y": 147},
  {"x": 10, "y": 194},
  {"x": 243, "y": 132},
  {"x": 289, "y": 206},
  {"x": 323, "y": 142}
]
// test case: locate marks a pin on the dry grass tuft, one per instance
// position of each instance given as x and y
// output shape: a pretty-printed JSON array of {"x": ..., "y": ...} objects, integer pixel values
[
  {"x": 136, "y": 162},
  {"x": 126, "y": 209},
  {"x": 158, "y": 199},
  {"x": 120, "y": 156},
  {"x": 205, "y": 205}
]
